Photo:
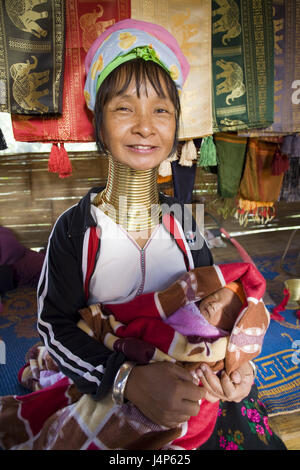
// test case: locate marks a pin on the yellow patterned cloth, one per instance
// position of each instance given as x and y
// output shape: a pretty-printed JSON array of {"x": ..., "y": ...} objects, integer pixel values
[{"x": 190, "y": 24}]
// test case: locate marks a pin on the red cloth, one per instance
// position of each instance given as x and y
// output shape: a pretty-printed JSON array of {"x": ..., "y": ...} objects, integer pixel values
[
  {"x": 84, "y": 22},
  {"x": 37, "y": 407}
]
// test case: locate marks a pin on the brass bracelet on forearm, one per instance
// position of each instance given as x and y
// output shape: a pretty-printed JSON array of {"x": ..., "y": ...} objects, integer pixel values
[{"x": 121, "y": 381}]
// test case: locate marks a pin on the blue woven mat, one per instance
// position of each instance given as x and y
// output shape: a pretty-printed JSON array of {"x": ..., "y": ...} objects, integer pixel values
[{"x": 278, "y": 366}]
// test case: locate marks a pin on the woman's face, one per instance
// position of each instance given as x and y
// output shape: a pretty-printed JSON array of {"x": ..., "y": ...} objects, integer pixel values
[{"x": 139, "y": 131}]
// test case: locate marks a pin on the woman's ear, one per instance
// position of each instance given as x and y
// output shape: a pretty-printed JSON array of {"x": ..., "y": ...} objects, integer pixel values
[{"x": 102, "y": 148}]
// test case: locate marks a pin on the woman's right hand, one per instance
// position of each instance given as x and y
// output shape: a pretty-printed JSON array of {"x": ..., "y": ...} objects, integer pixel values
[{"x": 164, "y": 392}]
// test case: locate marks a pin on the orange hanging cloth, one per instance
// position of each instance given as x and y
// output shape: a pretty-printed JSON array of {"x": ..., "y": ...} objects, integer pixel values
[
  {"x": 259, "y": 187},
  {"x": 280, "y": 162}
]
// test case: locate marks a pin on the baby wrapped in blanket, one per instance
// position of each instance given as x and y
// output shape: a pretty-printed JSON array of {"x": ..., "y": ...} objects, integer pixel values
[
  {"x": 212, "y": 317},
  {"x": 168, "y": 326},
  {"x": 205, "y": 316},
  {"x": 202, "y": 322},
  {"x": 153, "y": 327}
]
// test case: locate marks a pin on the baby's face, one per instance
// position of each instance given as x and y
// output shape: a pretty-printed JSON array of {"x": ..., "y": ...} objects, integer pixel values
[{"x": 221, "y": 308}]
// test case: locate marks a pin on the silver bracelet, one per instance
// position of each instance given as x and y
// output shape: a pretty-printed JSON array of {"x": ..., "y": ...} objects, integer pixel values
[
  {"x": 254, "y": 369},
  {"x": 121, "y": 381}
]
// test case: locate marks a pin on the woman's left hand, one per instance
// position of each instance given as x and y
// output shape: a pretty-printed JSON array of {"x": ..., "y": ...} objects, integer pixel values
[{"x": 233, "y": 388}]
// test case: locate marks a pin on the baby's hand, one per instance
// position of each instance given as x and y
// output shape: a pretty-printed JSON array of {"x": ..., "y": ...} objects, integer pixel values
[{"x": 233, "y": 388}]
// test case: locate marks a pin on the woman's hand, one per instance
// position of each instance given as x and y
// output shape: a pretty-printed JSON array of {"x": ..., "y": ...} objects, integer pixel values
[
  {"x": 233, "y": 388},
  {"x": 164, "y": 392}
]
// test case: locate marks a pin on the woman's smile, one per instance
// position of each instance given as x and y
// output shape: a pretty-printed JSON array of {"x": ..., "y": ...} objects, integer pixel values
[{"x": 143, "y": 149}]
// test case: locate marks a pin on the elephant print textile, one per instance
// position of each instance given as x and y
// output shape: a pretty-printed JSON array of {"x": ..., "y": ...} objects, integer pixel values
[
  {"x": 228, "y": 23},
  {"x": 24, "y": 17},
  {"x": 234, "y": 80},
  {"x": 92, "y": 28},
  {"x": 25, "y": 85}
]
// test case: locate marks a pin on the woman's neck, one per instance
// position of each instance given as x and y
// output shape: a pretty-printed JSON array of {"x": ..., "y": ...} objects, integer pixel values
[{"x": 130, "y": 197}]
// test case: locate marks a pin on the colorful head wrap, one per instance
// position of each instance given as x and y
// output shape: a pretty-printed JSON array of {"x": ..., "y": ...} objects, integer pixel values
[{"x": 125, "y": 41}]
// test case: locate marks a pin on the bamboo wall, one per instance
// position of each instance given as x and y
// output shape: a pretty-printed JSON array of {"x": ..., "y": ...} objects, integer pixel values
[{"x": 31, "y": 198}]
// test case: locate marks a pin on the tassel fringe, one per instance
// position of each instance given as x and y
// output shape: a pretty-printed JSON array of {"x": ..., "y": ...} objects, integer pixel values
[
  {"x": 165, "y": 168},
  {"x": 65, "y": 169},
  {"x": 259, "y": 212},
  {"x": 59, "y": 161},
  {"x": 3, "y": 145},
  {"x": 227, "y": 207},
  {"x": 188, "y": 153},
  {"x": 53, "y": 166},
  {"x": 207, "y": 152}
]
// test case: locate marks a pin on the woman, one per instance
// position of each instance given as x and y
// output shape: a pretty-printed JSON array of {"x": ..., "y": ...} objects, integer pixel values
[{"x": 124, "y": 240}]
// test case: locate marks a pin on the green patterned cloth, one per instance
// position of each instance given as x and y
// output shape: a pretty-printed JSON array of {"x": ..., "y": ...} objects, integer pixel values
[
  {"x": 231, "y": 151},
  {"x": 242, "y": 64}
]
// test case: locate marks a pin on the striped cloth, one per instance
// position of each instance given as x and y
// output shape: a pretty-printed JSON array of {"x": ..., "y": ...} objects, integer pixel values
[
  {"x": 259, "y": 188},
  {"x": 286, "y": 21}
]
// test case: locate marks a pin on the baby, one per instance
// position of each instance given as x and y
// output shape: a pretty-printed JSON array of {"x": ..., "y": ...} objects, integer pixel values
[
  {"x": 212, "y": 317},
  {"x": 212, "y": 314}
]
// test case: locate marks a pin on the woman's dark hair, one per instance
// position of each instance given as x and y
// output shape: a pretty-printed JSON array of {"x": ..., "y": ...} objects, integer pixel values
[{"x": 118, "y": 81}]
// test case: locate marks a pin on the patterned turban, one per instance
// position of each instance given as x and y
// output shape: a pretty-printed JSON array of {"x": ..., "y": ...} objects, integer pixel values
[{"x": 127, "y": 40}]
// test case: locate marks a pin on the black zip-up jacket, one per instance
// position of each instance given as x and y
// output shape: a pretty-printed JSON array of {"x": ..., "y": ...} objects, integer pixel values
[{"x": 61, "y": 294}]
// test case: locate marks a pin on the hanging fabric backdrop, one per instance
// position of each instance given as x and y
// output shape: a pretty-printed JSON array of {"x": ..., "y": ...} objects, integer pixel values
[
  {"x": 190, "y": 22},
  {"x": 84, "y": 22},
  {"x": 286, "y": 21},
  {"x": 32, "y": 56},
  {"x": 242, "y": 64},
  {"x": 231, "y": 151},
  {"x": 259, "y": 188}
]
